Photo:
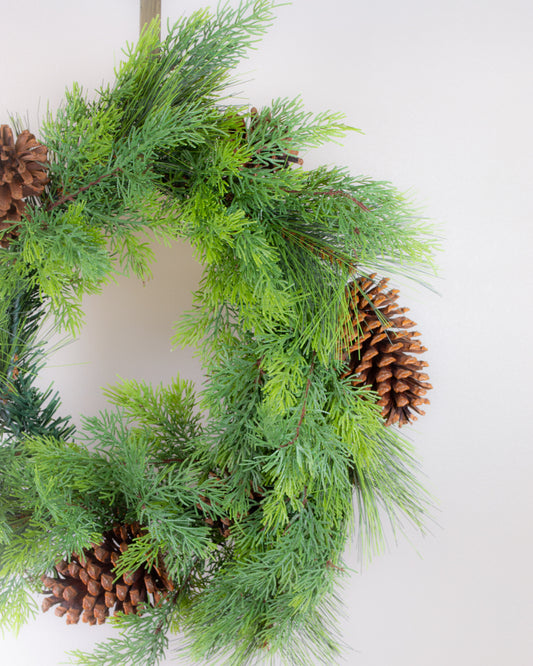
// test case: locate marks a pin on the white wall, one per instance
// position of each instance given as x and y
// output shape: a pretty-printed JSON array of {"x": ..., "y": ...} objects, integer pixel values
[{"x": 443, "y": 91}]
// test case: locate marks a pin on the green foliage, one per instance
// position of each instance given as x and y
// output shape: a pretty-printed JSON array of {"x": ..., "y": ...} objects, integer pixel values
[
  {"x": 382, "y": 466},
  {"x": 17, "y": 604},
  {"x": 277, "y": 445},
  {"x": 143, "y": 641},
  {"x": 272, "y": 596},
  {"x": 191, "y": 66},
  {"x": 24, "y": 408},
  {"x": 168, "y": 411}
]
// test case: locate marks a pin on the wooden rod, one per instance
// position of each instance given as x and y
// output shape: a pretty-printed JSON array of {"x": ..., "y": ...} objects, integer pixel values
[{"x": 149, "y": 10}]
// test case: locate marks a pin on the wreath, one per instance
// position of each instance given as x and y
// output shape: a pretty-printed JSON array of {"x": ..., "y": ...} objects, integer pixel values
[{"x": 222, "y": 515}]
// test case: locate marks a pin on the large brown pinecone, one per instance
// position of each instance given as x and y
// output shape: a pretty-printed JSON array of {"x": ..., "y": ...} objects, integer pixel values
[
  {"x": 381, "y": 352},
  {"x": 86, "y": 587},
  {"x": 23, "y": 173}
]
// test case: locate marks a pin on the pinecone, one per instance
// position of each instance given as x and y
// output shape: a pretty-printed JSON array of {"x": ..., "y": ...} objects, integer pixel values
[
  {"x": 380, "y": 352},
  {"x": 86, "y": 587},
  {"x": 22, "y": 174}
]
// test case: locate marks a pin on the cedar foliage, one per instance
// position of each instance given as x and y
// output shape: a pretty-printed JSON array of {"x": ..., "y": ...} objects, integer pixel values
[{"x": 246, "y": 491}]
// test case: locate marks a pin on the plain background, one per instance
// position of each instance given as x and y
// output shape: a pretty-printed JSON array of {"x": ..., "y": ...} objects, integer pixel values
[{"x": 443, "y": 92}]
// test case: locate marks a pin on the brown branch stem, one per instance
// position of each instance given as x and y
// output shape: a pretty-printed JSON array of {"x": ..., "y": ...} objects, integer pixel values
[
  {"x": 70, "y": 197},
  {"x": 330, "y": 565},
  {"x": 304, "y": 408},
  {"x": 336, "y": 193},
  {"x": 341, "y": 193}
]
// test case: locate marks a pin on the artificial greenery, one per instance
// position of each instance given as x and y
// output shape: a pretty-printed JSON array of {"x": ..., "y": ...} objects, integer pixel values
[{"x": 277, "y": 445}]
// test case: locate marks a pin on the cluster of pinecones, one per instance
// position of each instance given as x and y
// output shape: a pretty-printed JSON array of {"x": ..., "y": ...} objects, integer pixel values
[
  {"x": 23, "y": 173},
  {"x": 381, "y": 352},
  {"x": 86, "y": 585}
]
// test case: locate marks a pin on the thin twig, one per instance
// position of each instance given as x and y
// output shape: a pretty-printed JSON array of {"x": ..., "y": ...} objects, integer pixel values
[
  {"x": 323, "y": 252},
  {"x": 341, "y": 193},
  {"x": 336, "y": 193},
  {"x": 330, "y": 565},
  {"x": 304, "y": 407},
  {"x": 261, "y": 371},
  {"x": 70, "y": 197}
]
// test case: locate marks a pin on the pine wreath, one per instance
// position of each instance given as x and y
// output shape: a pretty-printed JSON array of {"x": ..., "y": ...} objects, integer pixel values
[{"x": 245, "y": 493}]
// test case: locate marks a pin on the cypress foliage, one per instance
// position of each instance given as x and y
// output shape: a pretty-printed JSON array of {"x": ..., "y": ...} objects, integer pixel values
[{"x": 247, "y": 491}]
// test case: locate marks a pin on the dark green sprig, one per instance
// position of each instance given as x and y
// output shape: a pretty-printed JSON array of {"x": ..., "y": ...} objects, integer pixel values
[{"x": 25, "y": 408}]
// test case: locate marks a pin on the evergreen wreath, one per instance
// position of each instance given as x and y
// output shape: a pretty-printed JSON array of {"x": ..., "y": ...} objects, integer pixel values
[{"x": 223, "y": 516}]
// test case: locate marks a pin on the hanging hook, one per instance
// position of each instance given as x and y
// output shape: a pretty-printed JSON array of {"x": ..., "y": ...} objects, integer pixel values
[{"x": 150, "y": 9}]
